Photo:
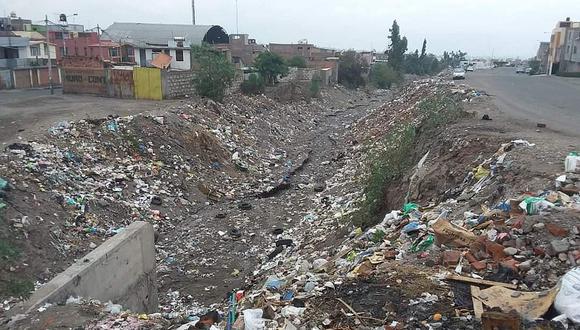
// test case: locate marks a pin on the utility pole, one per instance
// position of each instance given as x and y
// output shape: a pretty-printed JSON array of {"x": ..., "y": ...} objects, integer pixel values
[
  {"x": 237, "y": 19},
  {"x": 99, "y": 36},
  {"x": 193, "y": 11},
  {"x": 49, "y": 60}
]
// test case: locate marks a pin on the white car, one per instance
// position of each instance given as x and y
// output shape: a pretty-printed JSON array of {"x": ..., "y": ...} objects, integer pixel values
[
  {"x": 470, "y": 69},
  {"x": 458, "y": 73}
]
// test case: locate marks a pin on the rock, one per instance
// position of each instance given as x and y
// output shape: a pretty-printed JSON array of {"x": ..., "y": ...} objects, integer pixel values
[
  {"x": 156, "y": 200},
  {"x": 319, "y": 264},
  {"x": 539, "y": 226},
  {"x": 559, "y": 246},
  {"x": 92, "y": 245},
  {"x": 319, "y": 187},
  {"x": 525, "y": 266},
  {"x": 563, "y": 256},
  {"x": 510, "y": 251}
]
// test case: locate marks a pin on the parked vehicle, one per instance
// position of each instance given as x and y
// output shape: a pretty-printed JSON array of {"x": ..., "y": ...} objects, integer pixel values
[
  {"x": 458, "y": 73},
  {"x": 470, "y": 68},
  {"x": 528, "y": 70},
  {"x": 520, "y": 69}
]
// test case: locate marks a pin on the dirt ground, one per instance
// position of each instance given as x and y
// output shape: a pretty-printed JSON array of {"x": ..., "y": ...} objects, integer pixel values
[{"x": 28, "y": 114}]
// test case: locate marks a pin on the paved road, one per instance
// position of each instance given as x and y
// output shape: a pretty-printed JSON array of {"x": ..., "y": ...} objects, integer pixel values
[
  {"x": 27, "y": 113},
  {"x": 532, "y": 99}
]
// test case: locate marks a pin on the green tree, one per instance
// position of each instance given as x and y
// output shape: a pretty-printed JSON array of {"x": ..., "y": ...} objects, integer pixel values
[
  {"x": 412, "y": 63},
  {"x": 397, "y": 48},
  {"x": 297, "y": 62},
  {"x": 254, "y": 85},
  {"x": 383, "y": 76},
  {"x": 424, "y": 49},
  {"x": 351, "y": 68},
  {"x": 271, "y": 66},
  {"x": 214, "y": 72}
]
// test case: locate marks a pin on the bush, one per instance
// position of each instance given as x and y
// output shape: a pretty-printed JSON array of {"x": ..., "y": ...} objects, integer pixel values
[
  {"x": 214, "y": 72},
  {"x": 253, "y": 86},
  {"x": 315, "y": 84},
  {"x": 351, "y": 68},
  {"x": 271, "y": 66},
  {"x": 297, "y": 62},
  {"x": 383, "y": 76}
]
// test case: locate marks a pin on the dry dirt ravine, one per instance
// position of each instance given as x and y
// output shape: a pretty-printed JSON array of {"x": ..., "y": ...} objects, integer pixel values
[{"x": 208, "y": 272}]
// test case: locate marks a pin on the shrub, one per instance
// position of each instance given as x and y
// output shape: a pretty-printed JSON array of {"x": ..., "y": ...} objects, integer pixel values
[
  {"x": 351, "y": 68},
  {"x": 383, "y": 76},
  {"x": 253, "y": 86},
  {"x": 297, "y": 62},
  {"x": 315, "y": 86},
  {"x": 271, "y": 66},
  {"x": 214, "y": 72}
]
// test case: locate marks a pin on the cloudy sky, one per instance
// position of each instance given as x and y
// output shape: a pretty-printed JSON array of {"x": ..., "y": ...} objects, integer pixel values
[{"x": 480, "y": 27}]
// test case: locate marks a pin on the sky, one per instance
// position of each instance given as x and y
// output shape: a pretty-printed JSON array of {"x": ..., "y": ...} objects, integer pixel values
[{"x": 506, "y": 28}]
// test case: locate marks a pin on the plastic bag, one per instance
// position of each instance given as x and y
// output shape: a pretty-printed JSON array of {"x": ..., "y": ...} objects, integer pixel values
[
  {"x": 253, "y": 319},
  {"x": 535, "y": 205},
  {"x": 409, "y": 207},
  {"x": 568, "y": 298},
  {"x": 572, "y": 163},
  {"x": 481, "y": 172}
]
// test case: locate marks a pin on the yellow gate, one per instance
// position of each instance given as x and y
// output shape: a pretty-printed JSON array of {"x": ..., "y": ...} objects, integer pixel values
[{"x": 147, "y": 84}]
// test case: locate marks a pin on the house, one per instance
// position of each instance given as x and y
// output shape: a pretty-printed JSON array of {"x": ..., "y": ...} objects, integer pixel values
[
  {"x": 309, "y": 52},
  {"x": 175, "y": 40},
  {"x": 542, "y": 56},
  {"x": 243, "y": 49},
  {"x": 14, "y": 23},
  {"x": 564, "y": 54},
  {"x": 20, "y": 49}
]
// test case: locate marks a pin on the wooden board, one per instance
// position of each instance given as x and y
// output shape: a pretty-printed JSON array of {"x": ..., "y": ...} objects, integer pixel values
[
  {"x": 479, "y": 281},
  {"x": 477, "y": 305}
]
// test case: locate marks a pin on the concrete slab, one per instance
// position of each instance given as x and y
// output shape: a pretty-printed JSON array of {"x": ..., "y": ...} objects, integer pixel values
[{"x": 121, "y": 270}]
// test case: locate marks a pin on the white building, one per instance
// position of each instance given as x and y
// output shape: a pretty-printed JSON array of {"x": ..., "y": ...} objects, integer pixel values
[
  {"x": 24, "y": 49},
  {"x": 174, "y": 40}
]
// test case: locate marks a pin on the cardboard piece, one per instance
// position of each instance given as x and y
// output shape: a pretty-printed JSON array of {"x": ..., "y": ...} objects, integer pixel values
[{"x": 529, "y": 305}]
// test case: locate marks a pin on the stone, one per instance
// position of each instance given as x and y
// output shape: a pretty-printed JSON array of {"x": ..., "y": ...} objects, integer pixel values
[
  {"x": 510, "y": 251},
  {"x": 510, "y": 263},
  {"x": 92, "y": 245},
  {"x": 510, "y": 243},
  {"x": 563, "y": 256},
  {"x": 556, "y": 230},
  {"x": 525, "y": 266},
  {"x": 308, "y": 287},
  {"x": 539, "y": 226},
  {"x": 319, "y": 264},
  {"x": 560, "y": 246},
  {"x": 495, "y": 249},
  {"x": 450, "y": 257}
]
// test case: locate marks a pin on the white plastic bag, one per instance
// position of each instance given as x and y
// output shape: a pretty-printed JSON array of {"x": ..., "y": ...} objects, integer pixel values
[
  {"x": 572, "y": 164},
  {"x": 568, "y": 298},
  {"x": 253, "y": 319}
]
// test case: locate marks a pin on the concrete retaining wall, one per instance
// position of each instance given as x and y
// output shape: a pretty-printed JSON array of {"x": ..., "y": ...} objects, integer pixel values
[{"x": 121, "y": 270}]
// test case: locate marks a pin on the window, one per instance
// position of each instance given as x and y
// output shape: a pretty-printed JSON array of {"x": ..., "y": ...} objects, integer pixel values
[
  {"x": 179, "y": 55},
  {"x": 62, "y": 51},
  {"x": 86, "y": 53},
  {"x": 35, "y": 50},
  {"x": 58, "y": 35},
  {"x": 130, "y": 51},
  {"x": 180, "y": 44},
  {"x": 113, "y": 52},
  {"x": 575, "y": 49}
]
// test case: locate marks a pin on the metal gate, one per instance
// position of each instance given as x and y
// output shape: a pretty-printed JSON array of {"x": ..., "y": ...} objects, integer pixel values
[{"x": 147, "y": 84}]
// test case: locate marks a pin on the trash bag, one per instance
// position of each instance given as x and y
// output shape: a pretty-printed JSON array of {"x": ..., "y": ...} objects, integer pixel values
[
  {"x": 481, "y": 172},
  {"x": 535, "y": 205},
  {"x": 253, "y": 319},
  {"x": 572, "y": 163},
  {"x": 568, "y": 298},
  {"x": 423, "y": 244},
  {"x": 409, "y": 207}
]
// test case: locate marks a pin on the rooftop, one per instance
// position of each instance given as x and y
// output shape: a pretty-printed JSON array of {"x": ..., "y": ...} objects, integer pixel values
[{"x": 146, "y": 35}]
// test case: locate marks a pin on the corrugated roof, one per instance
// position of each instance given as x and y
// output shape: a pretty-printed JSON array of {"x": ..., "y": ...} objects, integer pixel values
[{"x": 147, "y": 35}]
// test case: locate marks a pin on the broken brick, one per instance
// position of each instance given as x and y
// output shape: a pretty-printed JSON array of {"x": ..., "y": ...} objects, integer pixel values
[
  {"x": 495, "y": 249},
  {"x": 470, "y": 257},
  {"x": 510, "y": 263},
  {"x": 556, "y": 230},
  {"x": 479, "y": 265},
  {"x": 450, "y": 257},
  {"x": 538, "y": 251}
]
